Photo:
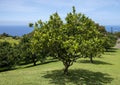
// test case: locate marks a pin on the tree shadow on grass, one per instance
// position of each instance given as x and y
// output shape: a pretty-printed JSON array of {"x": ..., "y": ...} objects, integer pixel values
[
  {"x": 6, "y": 69},
  {"x": 47, "y": 62},
  {"x": 112, "y": 50},
  {"x": 96, "y": 62},
  {"x": 78, "y": 77}
]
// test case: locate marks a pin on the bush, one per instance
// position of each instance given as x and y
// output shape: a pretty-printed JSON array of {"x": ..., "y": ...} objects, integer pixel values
[{"x": 8, "y": 55}]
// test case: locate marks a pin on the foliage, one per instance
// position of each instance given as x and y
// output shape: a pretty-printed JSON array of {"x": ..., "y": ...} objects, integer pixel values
[
  {"x": 25, "y": 50},
  {"x": 67, "y": 41},
  {"x": 5, "y": 35},
  {"x": 117, "y": 34},
  {"x": 93, "y": 39},
  {"x": 30, "y": 24},
  {"x": 101, "y": 29},
  {"x": 10, "y": 40},
  {"x": 8, "y": 55},
  {"x": 110, "y": 41},
  {"x": 92, "y": 48}
]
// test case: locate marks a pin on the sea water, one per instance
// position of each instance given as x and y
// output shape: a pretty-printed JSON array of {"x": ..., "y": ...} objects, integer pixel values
[{"x": 15, "y": 30}]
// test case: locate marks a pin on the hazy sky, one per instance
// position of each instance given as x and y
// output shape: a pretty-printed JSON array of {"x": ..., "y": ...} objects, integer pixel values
[{"x": 18, "y": 12}]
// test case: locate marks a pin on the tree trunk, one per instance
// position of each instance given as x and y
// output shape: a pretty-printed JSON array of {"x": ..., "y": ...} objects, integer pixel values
[
  {"x": 91, "y": 60},
  {"x": 66, "y": 69},
  {"x": 67, "y": 64},
  {"x": 34, "y": 63},
  {"x": 33, "y": 59}
]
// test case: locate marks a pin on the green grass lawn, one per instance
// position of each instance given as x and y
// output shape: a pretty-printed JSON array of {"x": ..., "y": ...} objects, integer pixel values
[{"x": 104, "y": 71}]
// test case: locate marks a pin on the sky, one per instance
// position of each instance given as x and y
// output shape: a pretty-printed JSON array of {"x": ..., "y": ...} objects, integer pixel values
[{"x": 22, "y": 12}]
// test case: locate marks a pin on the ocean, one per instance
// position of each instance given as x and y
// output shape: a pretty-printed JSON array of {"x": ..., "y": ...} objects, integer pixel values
[
  {"x": 22, "y": 29},
  {"x": 15, "y": 30},
  {"x": 111, "y": 28}
]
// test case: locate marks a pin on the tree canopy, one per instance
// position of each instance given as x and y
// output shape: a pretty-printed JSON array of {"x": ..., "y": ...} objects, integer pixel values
[{"x": 77, "y": 36}]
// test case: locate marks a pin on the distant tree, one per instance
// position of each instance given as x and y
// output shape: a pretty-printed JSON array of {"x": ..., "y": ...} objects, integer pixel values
[
  {"x": 25, "y": 50},
  {"x": 8, "y": 56},
  {"x": 31, "y": 24},
  {"x": 2, "y": 36},
  {"x": 117, "y": 34},
  {"x": 102, "y": 29},
  {"x": 109, "y": 41},
  {"x": 5, "y": 35},
  {"x": 92, "y": 48},
  {"x": 16, "y": 37},
  {"x": 93, "y": 38},
  {"x": 67, "y": 41}
]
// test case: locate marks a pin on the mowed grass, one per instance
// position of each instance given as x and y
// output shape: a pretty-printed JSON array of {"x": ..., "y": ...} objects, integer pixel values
[{"x": 104, "y": 71}]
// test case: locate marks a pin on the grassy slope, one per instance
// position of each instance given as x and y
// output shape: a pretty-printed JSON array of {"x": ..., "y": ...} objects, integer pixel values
[
  {"x": 105, "y": 71},
  {"x": 10, "y": 40}
]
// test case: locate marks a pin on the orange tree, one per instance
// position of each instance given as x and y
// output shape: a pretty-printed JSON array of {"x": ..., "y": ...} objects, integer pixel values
[{"x": 77, "y": 36}]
